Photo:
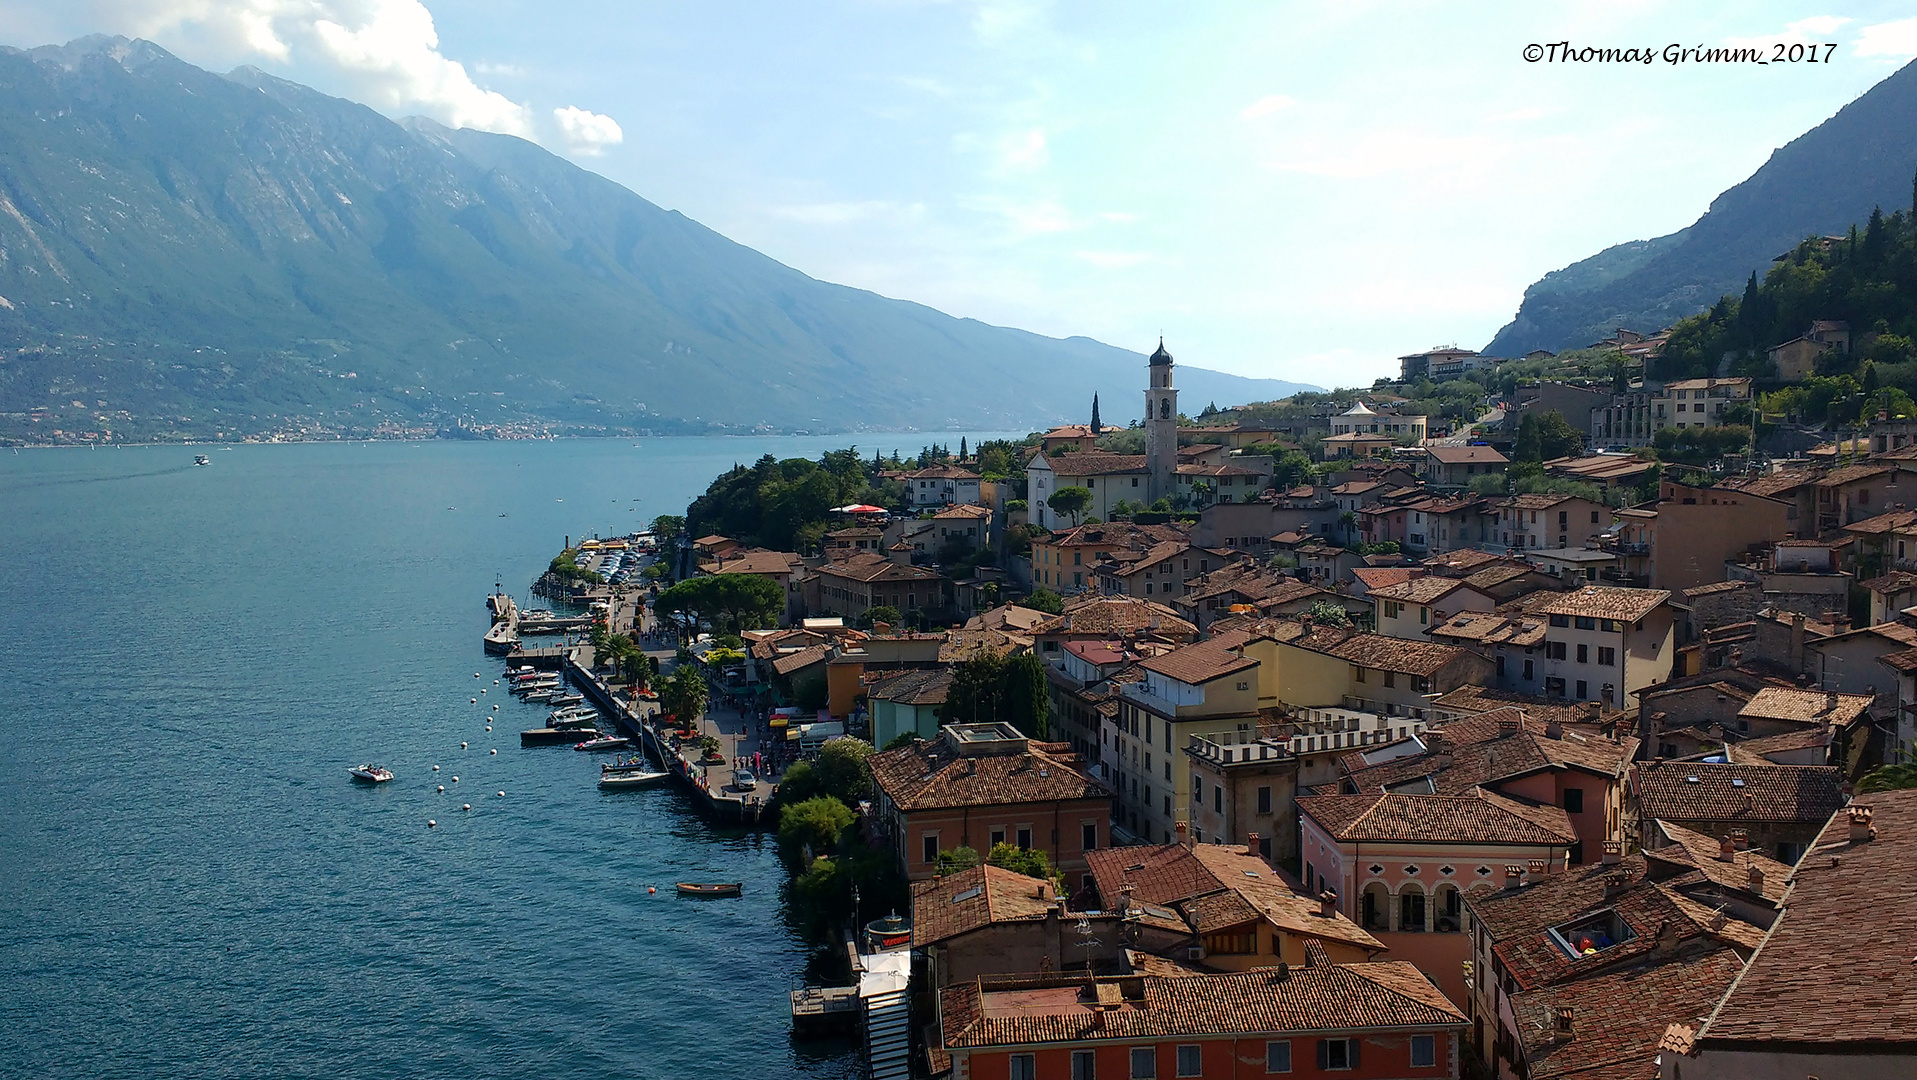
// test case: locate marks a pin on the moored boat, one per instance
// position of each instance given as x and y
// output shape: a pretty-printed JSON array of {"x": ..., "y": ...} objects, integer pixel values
[
  {"x": 603, "y": 743},
  {"x": 560, "y": 700},
  {"x": 709, "y": 890},
  {"x": 370, "y": 774}
]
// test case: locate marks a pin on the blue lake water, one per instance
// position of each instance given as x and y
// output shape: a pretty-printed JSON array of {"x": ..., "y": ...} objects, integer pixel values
[{"x": 190, "y": 886}]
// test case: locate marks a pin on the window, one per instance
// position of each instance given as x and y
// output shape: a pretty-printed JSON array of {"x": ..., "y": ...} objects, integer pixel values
[
  {"x": 1024, "y": 838},
  {"x": 1357, "y": 673},
  {"x": 1088, "y": 836},
  {"x": 1584, "y": 653},
  {"x": 1574, "y": 800},
  {"x": 1584, "y": 690},
  {"x": 1278, "y": 1056},
  {"x": 1560, "y": 620},
  {"x": 930, "y": 844},
  {"x": 1144, "y": 1063},
  {"x": 1607, "y": 656},
  {"x": 1190, "y": 1060},
  {"x": 1024, "y": 1067},
  {"x": 1084, "y": 1065},
  {"x": 1554, "y": 687},
  {"x": 1218, "y": 800},
  {"x": 1264, "y": 800},
  {"x": 1411, "y": 912},
  {"x": 1337, "y": 1053},
  {"x": 1527, "y": 670},
  {"x": 1391, "y": 679},
  {"x": 1554, "y": 650},
  {"x": 998, "y": 837},
  {"x": 1424, "y": 1050}
]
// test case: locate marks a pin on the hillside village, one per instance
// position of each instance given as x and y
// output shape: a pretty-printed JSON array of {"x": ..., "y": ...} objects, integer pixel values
[{"x": 1501, "y": 746}]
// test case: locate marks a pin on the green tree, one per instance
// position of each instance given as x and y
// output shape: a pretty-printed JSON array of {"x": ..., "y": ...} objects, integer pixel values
[
  {"x": 667, "y": 529},
  {"x": 995, "y": 689},
  {"x": 956, "y": 859},
  {"x": 1330, "y": 613},
  {"x": 1028, "y": 861},
  {"x": 811, "y": 827},
  {"x": 1543, "y": 437},
  {"x": 811, "y": 693},
  {"x": 844, "y": 770},
  {"x": 882, "y": 613},
  {"x": 684, "y": 694},
  {"x": 1888, "y": 778},
  {"x": 1070, "y": 500},
  {"x": 902, "y": 740},
  {"x": 1043, "y": 599}
]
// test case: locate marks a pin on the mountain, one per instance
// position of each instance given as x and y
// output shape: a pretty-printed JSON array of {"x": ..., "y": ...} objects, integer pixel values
[
  {"x": 1819, "y": 184},
  {"x": 183, "y": 252}
]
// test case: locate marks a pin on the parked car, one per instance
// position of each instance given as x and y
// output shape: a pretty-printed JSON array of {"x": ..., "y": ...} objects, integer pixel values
[{"x": 745, "y": 780}]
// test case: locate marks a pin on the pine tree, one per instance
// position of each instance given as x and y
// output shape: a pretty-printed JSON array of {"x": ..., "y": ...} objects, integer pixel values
[{"x": 1097, "y": 427}]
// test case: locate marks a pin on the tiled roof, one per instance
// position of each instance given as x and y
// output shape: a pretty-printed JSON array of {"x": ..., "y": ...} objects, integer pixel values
[
  {"x": 867, "y": 566},
  {"x": 1605, "y": 602},
  {"x": 1538, "y": 711},
  {"x": 1703, "y": 791},
  {"x": 1772, "y": 484},
  {"x": 1462, "y": 455},
  {"x": 1536, "y": 501},
  {"x": 1378, "y": 577},
  {"x": 1424, "y": 590},
  {"x": 1095, "y": 463},
  {"x": 1260, "y": 584},
  {"x": 985, "y": 895},
  {"x": 924, "y": 687},
  {"x": 1897, "y": 581},
  {"x": 752, "y": 561},
  {"x": 1393, "y": 654},
  {"x": 931, "y": 775},
  {"x": 1464, "y": 560},
  {"x": 1124, "y": 616},
  {"x": 1380, "y": 995},
  {"x": 1760, "y": 751},
  {"x": 1883, "y": 523},
  {"x": 1200, "y": 663},
  {"x": 1478, "y": 817},
  {"x": 962, "y": 510},
  {"x": 1117, "y": 534},
  {"x": 1805, "y": 706},
  {"x": 799, "y": 661},
  {"x": 1848, "y": 474},
  {"x": 1480, "y": 751},
  {"x": 1619, "y": 1017},
  {"x": 941, "y": 472},
  {"x": 1904, "y": 661},
  {"x": 1836, "y": 968},
  {"x": 1691, "y": 848}
]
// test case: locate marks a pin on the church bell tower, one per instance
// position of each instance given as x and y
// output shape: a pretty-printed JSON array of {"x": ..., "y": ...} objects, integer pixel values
[{"x": 1161, "y": 425}]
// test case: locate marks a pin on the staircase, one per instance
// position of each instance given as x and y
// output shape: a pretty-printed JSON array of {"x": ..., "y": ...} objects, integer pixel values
[{"x": 888, "y": 1038}]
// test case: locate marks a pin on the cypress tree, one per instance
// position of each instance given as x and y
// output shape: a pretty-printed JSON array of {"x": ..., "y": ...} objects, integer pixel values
[
  {"x": 1097, "y": 427},
  {"x": 961, "y": 448}
]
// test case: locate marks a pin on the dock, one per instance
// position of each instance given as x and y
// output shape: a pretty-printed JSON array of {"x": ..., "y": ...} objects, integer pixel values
[{"x": 825, "y": 1010}]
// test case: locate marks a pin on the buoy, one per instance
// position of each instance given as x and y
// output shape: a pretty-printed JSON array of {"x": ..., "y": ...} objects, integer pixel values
[
  {"x": 455, "y": 779},
  {"x": 475, "y": 674},
  {"x": 462, "y": 746},
  {"x": 651, "y": 889},
  {"x": 491, "y": 751},
  {"x": 475, "y": 701},
  {"x": 495, "y": 682},
  {"x": 489, "y": 727},
  {"x": 442, "y": 789},
  {"x": 465, "y": 806},
  {"x": 431, "y": 824},
  {"x": 435, "y": 768},
  {"x": 495, "y": 708},
  {"x": 502, "y": 794},
  {"x": 482, "y": 689}
]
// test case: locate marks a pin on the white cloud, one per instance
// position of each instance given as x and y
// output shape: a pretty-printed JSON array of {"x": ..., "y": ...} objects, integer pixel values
[
  {"x": 1267, "y": 105},
  {"x": 587, "y": 134},
  {"x": 1897, "y": 39},
  {"x": 1386, "y": 152},
  {"x": 383, "y": 52}
]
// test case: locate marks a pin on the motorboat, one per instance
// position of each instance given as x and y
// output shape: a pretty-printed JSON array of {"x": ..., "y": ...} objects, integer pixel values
[
  {"x": 202, "y": 459},
  {"x": 709, "y": 890},
  {"x": 370, "y": 774},
  {"x": 604, "y": 743},
  {"x": 625, "y": 764},
  {"x": 632, "y": 778},
  {"x": 516, "y": 672},
  {"x": 574, "y": 712},
  {"x": 559, "y": 700},
  {"x": 540, "y": 695}
]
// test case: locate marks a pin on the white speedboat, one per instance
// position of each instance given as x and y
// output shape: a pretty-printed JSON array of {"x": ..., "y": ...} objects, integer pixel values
[
  {"x": 370, "y": 774},
  {"x": 632, "y": 778},
  {"x": 562, "y": 700},
  {"x": 604, "y": 743}
]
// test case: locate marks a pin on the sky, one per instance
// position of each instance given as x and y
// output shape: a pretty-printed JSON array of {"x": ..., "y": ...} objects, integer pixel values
[{"x": 1294, "y": 191}]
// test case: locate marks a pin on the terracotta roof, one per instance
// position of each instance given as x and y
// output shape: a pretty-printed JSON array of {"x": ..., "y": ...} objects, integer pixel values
[
  {"x": 799, "y": 661},
  {"x": 923, "y": 687},
  {"x": 1462, "y": 455},
  {"x": 1378, "y": 577},
  {"x": 1259, "y": 584},
  {"x": 1703, "y": 791},
  {"x": 1463, "y": 560},
  {"x": 941, "y": 472},
  {"x": 868, "y": 566},
  {"x": 1760, "y": 751},
  {"x": 1095, "y": 463},
  {"x": 931, "y": 775},
  {"x": 1015, "y": 617},
  {"x": 1480, "y": 751},
  {"x": 1700, "y": 852},
  {"x": 1536, "y": 501},
  {"x": 1117, "y": 534},
  {"x": 963, "y": 510},
  {"x": 1805, "y": 706},
  {"x": 1125, "y": 616},
  {"x": 1605, "y": 602},
  {"x": 1343, "y": 997},
  {"x": 1469, "y": 700},
  {"x": 1620, "y": 1016},
  {"x": 1202, "y": 662},
  {"x": 1852, "y": 473},
  {"x": 752, "y": 561},
  {"x": 1772, "y": 484},
  {"x": 1897, "y": 581},
  {"x": 985, "y": 895},
  {"x": 1423, "y": 590},
  {"x": 1393, "y": 654},
  {"x": 1905, "y": 661},
  {"x": 1838, "y": 945},
  {"x": 1883, "y": 523},
  {"x": 1478, "y": 817}
]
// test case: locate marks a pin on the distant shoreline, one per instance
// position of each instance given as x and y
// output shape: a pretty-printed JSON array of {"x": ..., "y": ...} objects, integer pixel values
[{"x": 801, "y": 434}]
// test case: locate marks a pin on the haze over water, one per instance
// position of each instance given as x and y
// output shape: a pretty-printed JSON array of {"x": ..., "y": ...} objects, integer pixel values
[{"x": 190, "y": 885}]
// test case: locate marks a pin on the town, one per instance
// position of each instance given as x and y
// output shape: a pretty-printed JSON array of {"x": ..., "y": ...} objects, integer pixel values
[{"x": 1358, "y": 740}]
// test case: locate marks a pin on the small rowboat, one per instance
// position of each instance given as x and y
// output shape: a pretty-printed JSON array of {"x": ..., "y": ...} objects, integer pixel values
[{"x": 708, "y": 891}]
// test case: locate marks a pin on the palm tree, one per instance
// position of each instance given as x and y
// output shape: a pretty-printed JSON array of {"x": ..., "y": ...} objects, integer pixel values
[
  {"x": 1347, "y": 521},
  {"x": 1888, "y": 778}
]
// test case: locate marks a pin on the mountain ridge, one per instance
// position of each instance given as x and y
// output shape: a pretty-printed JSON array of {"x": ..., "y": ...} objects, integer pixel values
[
  {"x": 1821, "y": 182},
  {"x": 179, "y": 241}
]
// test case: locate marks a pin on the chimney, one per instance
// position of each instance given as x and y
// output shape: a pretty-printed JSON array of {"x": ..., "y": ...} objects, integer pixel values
[
  {"x": 1613, "y": 852},
  {"x": 1513, "y": 875},
  {"x": 1797, "y": 642},
  {"x": 1327, "y": 904},
  {"x": 1251, "y": 844},
  {"x": 1726, "y": 850},
  {"x": 1830, "y": 700},
  {"x": 1281, "y": 972},
  {"x": 1554, "y": 730},
  {"x": 1184, "y": 834},
  {"x": 1509, "y": 724},
  {"x": 1535, "y": 868},
  {"x": 1741, "y": 839},
  {"x": 1562, "y": 1028},
  {"x": 1044, "y": 891},
  {"x": 1861, "y": 830},
  {"x": 1757, "y": 880},
  {"x": 1667, "y": 937},
  {"x": 1615, "y": 882}
]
